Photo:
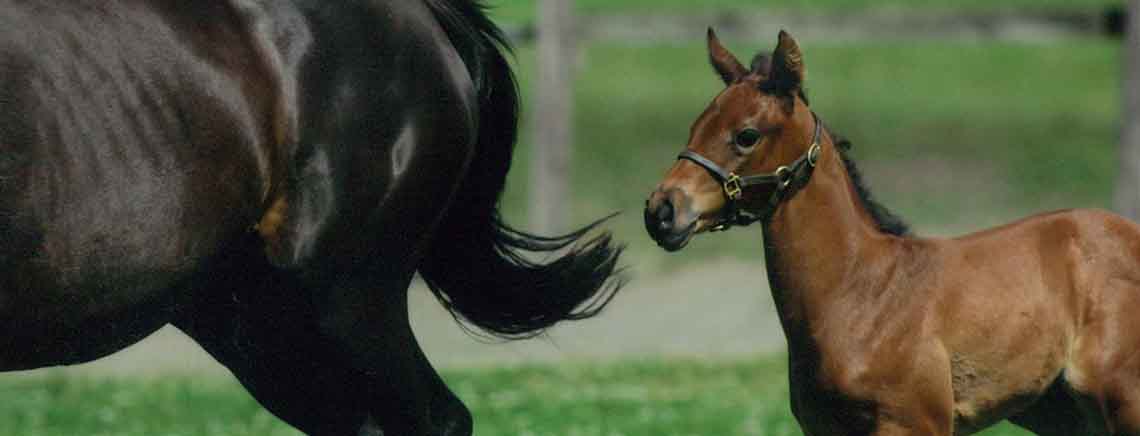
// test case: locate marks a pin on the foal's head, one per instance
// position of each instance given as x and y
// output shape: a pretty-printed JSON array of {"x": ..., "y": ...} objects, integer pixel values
[{"x": 759, "y": 123}]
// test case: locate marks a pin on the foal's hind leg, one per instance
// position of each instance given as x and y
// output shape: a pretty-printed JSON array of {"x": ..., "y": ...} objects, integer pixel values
[
  {"x": 1120, "y": 405},
  {"x": 1106, "y": 362},
  {"x": 1128, "y": 415}
]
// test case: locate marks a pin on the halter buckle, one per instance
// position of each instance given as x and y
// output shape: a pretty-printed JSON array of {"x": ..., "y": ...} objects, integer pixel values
[
  {"x": 784, "y": 176},
  {"x": 732, "y": 188}
]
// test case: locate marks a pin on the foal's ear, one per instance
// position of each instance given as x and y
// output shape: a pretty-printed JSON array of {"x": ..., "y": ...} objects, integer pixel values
[
  {"x": 725, "y": 64},
  {"x": 787, "y": 64}
]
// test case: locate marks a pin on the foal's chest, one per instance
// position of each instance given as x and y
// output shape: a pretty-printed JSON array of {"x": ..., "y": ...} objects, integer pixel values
[{"x": 821, "y": 405}]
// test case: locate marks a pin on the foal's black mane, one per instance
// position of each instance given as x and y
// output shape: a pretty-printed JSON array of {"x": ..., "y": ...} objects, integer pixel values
[{"x": 886, "y": 220}]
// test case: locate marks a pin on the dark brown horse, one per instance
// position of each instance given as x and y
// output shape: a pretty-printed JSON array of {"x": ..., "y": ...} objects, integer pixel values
[
  {"x": 268, "y": 176},
  {"x": 891, "y": 334}
]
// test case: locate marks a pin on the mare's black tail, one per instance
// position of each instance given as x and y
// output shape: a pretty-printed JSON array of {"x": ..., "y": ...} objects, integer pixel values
[{"x": 478, "y": 266}]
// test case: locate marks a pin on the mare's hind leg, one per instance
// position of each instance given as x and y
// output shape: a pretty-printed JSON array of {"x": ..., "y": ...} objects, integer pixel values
[
  {"x": 369, "y": 320},
  {"x": 273, "y": 334}
]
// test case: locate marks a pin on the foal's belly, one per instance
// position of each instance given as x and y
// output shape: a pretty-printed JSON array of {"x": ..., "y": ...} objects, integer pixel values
[{"x": 987, "y": 392}]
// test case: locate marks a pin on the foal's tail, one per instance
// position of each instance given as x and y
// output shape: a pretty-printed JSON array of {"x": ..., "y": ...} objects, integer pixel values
[{"x": 479, "y": 267}]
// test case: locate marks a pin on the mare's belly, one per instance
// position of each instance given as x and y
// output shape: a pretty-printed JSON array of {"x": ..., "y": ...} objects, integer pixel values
[{"x": 52, "y": 317}]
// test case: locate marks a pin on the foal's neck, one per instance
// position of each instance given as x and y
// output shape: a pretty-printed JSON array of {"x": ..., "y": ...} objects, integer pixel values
[{"x": 817, "y": 241}]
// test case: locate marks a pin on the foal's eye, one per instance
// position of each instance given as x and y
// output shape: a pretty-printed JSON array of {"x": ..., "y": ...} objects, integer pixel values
[{"x": 747, "y": 138}]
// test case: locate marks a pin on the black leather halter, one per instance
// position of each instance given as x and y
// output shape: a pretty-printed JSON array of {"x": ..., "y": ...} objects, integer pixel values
[{"x": 787, "y": 179}]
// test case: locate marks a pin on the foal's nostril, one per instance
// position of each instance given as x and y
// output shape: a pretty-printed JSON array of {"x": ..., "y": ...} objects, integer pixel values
[
  {"x": 665, "y": 215},
  {"x": 659, "y": 219}
]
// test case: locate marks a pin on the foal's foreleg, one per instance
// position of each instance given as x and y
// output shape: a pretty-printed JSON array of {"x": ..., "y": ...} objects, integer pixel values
[
  {"x": 896, "y": 428},
  {"x": 920, "y": 401}
]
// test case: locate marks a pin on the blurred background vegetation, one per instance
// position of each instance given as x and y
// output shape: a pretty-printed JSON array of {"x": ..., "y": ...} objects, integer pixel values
[
  {"x": 963, "y": 127},
  {"x": 523, "y": 11}
]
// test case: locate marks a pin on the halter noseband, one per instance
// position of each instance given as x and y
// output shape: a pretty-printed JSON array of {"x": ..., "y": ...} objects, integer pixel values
[{"x": 733, "y": 185}]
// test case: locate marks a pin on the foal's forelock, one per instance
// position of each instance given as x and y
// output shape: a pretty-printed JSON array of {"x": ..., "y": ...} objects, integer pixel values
[{"x": 762, "y": 65}]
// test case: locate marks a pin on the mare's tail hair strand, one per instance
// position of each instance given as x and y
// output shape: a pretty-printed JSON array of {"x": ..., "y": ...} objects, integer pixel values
[{"x": 480, "y": 268}]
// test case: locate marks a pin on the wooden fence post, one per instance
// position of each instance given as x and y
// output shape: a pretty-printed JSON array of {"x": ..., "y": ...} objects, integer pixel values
[
  {"x": 553, "y": 121},
  {"x": 1126, "y": 199}
]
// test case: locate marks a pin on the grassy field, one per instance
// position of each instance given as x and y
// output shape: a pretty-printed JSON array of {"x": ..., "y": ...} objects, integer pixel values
[
  {"x": 638, "y": 398},
  {"x": 952, "y": 135},
  {"x": 68, "y": 406},
  {"x": 523, "y": 11}
]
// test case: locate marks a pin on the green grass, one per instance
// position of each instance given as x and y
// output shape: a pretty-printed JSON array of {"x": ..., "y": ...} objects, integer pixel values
[
  {"x": 659, "y": 398},
  {"x": 952, "y": 135},
  {"x": 523, "y": 11},
  {"x": 57, "y": 405}
]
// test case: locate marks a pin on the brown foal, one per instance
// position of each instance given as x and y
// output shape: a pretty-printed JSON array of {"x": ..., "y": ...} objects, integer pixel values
[{"x": 889, "y": 334}]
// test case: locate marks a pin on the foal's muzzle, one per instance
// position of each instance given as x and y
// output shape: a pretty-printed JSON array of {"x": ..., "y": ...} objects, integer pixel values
[{"x": 668, "y": 219}]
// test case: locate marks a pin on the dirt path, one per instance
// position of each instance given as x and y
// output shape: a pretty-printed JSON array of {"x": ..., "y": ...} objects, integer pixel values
[{"x": 719, "y": 309}]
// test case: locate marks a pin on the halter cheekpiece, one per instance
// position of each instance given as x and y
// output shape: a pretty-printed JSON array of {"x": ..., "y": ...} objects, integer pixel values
[{"x": 786, "y": 178}]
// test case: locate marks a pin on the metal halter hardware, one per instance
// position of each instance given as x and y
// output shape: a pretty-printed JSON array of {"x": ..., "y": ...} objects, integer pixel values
[{"x": 733, "y": 185}]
